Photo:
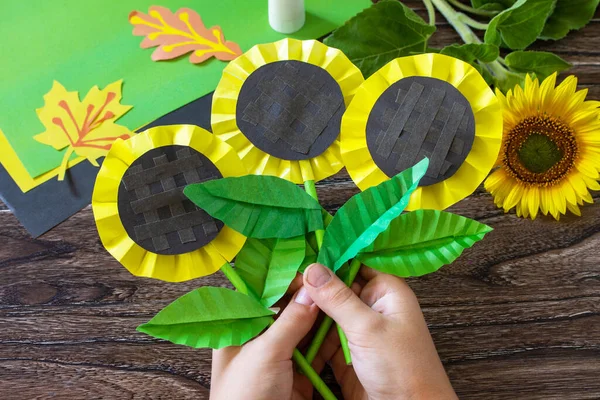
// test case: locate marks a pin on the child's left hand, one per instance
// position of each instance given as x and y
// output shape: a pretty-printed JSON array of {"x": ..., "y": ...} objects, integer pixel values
[{"x": 263, "y": 368}]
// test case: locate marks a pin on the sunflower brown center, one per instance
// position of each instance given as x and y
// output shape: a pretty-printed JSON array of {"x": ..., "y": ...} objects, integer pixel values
[{"x": 540, "y": 150}]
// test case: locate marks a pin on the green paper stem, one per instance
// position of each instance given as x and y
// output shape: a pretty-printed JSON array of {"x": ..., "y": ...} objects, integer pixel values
[
  {"x": 318, "y": 339},
  {"x": 309, "y": 187},
  {"x": 234, "y": 278},
  {"x": 354, "y": 268},
  {"x": 321, "y": 333},
  {"x": 344, "y": 344},
  {"x": 312, "y": 376}
]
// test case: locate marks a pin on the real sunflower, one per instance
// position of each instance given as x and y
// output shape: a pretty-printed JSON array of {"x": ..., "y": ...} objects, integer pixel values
[
  {"x": 550, "y": 155},
  {"x": 142, "y": 216},
  {"x": 428, "y": 105},
  {"x": 279, "y": 105}
]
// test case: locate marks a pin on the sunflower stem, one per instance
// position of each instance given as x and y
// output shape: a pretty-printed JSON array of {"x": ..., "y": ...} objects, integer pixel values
[
  {"x": 235, "y": 279},
  {"x": 430, "y": 11},
  {"x": 469, "y": 9},
  {"x": 458, "y": 22}
]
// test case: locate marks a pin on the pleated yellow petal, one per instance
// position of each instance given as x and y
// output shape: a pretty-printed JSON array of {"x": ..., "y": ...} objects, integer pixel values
[
  {"x": 488, "y": 128},
  {"x": 223, "y": 116},
  {"x": 139, "y": 261}
]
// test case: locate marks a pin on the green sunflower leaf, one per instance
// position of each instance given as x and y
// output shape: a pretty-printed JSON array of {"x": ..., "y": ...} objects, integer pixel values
[
  {"x": 358, "y": 222},
  {"x": 420, "y": 242},
  {"x": 258, "y": 206},
  {"x": 520, "y": 25},
  {"x": 541, "y": 63},
  {"x": 568, "y": 15},
  {"x": 382, "y": 32},
  {"x": 470, "y": 52},
  {"x": 268, "y": 266},
  {"x": 209, "y": 317}
]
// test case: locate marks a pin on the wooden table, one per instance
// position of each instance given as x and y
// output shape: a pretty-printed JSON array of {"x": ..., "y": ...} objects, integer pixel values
[{"x": 515, "y": 317}]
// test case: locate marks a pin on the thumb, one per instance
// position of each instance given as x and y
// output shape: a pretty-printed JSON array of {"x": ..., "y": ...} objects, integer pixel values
[
  {"x": 335, "y": 298},
  {"x": 291, "y": 326}
]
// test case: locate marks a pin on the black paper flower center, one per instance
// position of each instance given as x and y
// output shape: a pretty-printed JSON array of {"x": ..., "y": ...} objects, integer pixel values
[
  {"x": 152, "y": 207},
  {"x": 290, "y": 109},
  {"x": 419, "y": 117}
]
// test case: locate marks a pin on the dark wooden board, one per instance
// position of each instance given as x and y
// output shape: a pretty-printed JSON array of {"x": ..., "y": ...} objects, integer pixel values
[{"x": 518, "y": 316}]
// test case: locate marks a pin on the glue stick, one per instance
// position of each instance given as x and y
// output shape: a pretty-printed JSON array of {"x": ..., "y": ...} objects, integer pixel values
[{"x": 286, "y": 16}]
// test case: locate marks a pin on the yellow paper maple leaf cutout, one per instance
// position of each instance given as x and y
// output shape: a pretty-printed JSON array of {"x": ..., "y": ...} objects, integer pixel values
[{"x": 86, "y": 127}]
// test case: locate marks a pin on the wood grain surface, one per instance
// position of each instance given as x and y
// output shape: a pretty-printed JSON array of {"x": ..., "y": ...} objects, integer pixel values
[{"x": 516, "y": 317}]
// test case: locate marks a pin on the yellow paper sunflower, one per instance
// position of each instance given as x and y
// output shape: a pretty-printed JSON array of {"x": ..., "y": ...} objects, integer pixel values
[
  {"x": 428, "y": 105},
  {"x": 142, "y": 216},
  {"x": 550, "y": 155},
  {"x": 280, "y": 104}
]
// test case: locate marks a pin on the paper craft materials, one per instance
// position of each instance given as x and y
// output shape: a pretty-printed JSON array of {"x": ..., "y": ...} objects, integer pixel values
[
  {"x": 279, "y": 105},
  {"x": 85, "y": 127},
  {"x": 103, "y": 47},
  {"x": 290, "y": 109},
  {"x": 428, "y": 105},
  {"x": 142, "y": 217},
  {"x": 152, "y": 207},
  {"x": 44, "y": 202},
  {"x": 419, "y": 117},
  {"x": 179, "y": 33},
  {"x": 286, "y": 16}
]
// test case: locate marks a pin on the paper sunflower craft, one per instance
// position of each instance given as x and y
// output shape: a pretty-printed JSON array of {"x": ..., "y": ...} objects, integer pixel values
[
  {"x": 428, "y": 105},
  {"x": 280, "y": 105},
  {"x": 143, "y": 218},
  {"x": 550, "y": 156}
]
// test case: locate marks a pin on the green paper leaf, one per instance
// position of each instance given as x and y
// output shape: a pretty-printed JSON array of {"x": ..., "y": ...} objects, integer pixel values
[
  {"x": 312, "y": 248},
  {"x": 483, "y": 52},
  {"x": 568, "y": 15},
  {"x": 268, "y": 266},
  {"x": 519, "y": 25},
  {"x": 209, "y": 317},
  {"x": 377, "y": 35},
  {"x": 258, "y": 206},
  {"x": 541, "y": 63},
  {"x": 422, "y": 241},
  {"x": 358, "y": 222}
]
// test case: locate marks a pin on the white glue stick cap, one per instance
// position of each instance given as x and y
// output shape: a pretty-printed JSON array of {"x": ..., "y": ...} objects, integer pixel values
[{"x": 286, "y": 16}]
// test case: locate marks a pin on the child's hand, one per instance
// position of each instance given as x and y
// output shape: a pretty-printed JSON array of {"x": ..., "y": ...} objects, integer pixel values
[
  {"x": 262, "y": 368},
  {"x": 393, "y": 355}
]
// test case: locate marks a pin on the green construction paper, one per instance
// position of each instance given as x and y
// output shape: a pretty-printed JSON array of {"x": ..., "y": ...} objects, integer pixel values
[
  {"x": 358, "y": 222},
  {"x": 268, "y": 266},
  {"x": 257, "y": 206},
  {"x": 212, "y": 317},
  {"x": 87, "y": 43},
  {"x": 422, "y": 241}
]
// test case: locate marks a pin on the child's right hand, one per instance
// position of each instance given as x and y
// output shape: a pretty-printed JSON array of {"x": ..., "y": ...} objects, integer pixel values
[{"x": 393, "y": 355}]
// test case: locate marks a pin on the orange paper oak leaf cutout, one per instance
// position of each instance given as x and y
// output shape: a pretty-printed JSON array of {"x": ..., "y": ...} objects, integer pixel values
[
  {"x": 179, "y": 33},
  {"x": 86, "y": 127}
]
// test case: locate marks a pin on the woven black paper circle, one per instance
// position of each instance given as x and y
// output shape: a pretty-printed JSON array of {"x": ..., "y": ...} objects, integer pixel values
[
  {"x": 419, "y": 117},
  {"x": 290, "y": 109},
  {"x": 152, "y": 207}
]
